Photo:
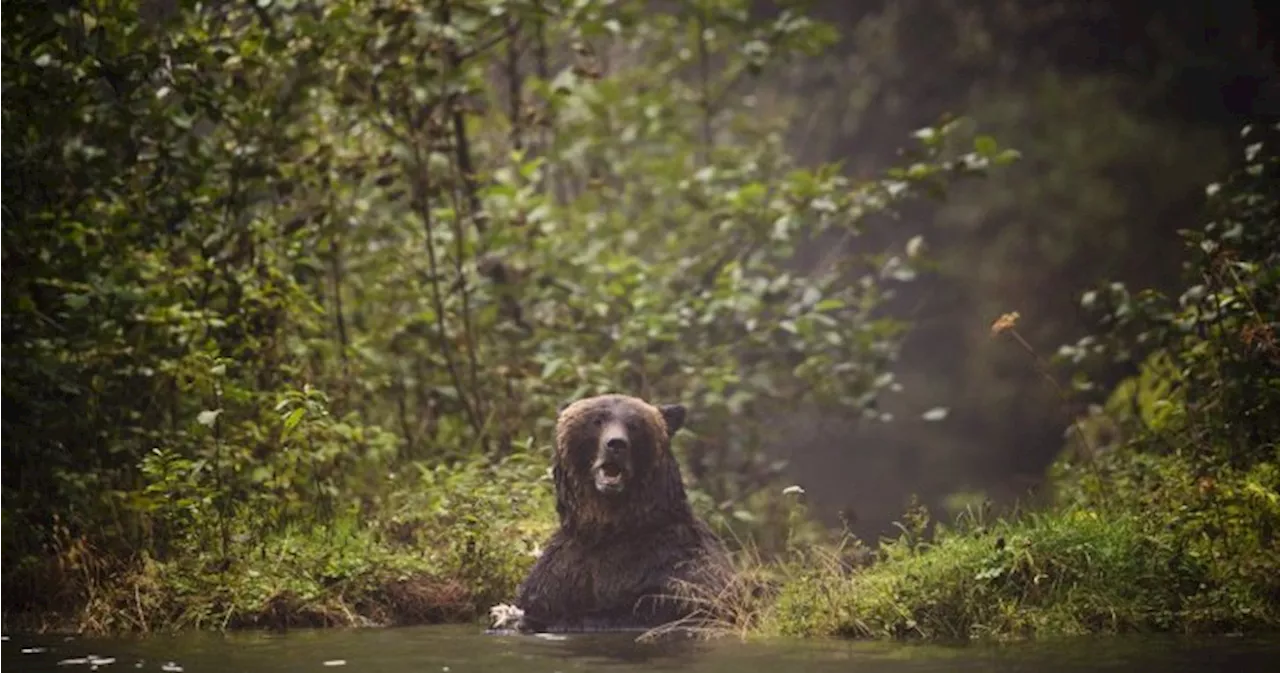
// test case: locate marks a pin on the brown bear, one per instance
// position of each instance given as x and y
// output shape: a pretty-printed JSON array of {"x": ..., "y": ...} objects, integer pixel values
[{"x": 629, "y": 546}]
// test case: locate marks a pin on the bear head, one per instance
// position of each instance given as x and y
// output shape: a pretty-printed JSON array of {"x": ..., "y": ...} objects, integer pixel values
[{"x": 613, "y": 461}]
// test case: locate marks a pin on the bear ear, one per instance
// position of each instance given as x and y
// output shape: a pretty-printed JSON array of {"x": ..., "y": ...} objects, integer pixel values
[{"x": 674, "y": 415}]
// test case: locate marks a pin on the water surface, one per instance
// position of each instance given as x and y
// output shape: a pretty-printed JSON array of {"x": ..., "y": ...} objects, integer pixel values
[{"x": 466, "y": 649}]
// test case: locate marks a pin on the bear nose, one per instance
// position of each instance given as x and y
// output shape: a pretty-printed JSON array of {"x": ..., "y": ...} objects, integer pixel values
[{"x": 617, "y": 443}]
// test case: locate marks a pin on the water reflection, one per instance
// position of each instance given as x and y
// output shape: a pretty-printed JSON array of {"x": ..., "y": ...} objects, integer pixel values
[
  {"x": 466, "y": 649},
  {"x": 672, "y": 651}
]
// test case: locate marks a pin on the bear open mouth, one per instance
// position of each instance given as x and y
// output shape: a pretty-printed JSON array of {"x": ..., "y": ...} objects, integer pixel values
[{"x": 610, "y": 477}]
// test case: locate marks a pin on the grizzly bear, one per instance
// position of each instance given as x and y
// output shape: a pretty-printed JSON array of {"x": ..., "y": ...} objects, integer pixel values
[{"x": 629, "y": 546}]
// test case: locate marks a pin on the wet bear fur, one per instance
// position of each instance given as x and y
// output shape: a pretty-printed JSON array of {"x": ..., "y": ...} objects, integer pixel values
[{"x": 629, "y": 545}]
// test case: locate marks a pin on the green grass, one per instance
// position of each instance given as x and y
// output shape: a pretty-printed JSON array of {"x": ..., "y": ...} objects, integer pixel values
[
  {"x": 1064, "y": 573},
  {"x": 1167, "y": 552},
  {"x": 441, "y": 548},
  {"x": 342, "y": 575},
  {"x": 1177, "y": 559}
]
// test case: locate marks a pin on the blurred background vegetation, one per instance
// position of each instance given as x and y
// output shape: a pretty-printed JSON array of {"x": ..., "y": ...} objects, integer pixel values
[
  {"x": 1122, "y": 112},
  {"x": 293, "y": 289}
]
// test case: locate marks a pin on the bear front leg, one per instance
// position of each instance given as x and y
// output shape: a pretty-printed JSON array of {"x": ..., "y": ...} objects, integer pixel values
[{"x": 554, "y": 591}]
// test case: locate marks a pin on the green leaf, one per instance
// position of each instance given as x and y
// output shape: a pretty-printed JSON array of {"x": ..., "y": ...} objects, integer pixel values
[
  {"x": 291, "y": 421},
  {"x": 208, "y": 417},
  {"x": 986, "y": 146},
  {"x": 1007, "y": 156},
  {"x": 550, "y": 367}
]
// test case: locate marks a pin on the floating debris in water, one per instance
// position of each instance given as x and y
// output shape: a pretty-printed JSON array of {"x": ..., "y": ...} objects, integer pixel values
[
  {"x": 551, "y": 636},
  {"x": 93, "y": 660},
  {"x": 170, "y": 667},
  {"x": 4, "y": 638},
  {"x": 336, "y": 662},
  {"x": 34, "y": 650}
]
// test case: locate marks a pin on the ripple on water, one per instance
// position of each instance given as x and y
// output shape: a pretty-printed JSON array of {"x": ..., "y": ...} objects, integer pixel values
[{"x": 462, "y": 649}]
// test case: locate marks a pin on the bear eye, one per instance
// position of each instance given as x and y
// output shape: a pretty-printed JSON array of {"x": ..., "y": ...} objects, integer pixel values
[{"x": 599, "y": 420}]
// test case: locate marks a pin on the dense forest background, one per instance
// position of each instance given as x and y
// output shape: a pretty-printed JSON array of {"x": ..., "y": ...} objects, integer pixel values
[
  {"x": 325, "y": 270},
  {"x": 1122, "y": 113}
]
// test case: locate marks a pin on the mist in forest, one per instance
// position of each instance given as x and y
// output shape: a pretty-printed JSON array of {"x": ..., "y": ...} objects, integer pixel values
[{"x": 1122, "y": 112}]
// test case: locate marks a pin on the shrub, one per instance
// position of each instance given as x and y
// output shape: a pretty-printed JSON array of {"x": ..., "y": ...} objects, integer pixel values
[{"x": 259, "y": 256}]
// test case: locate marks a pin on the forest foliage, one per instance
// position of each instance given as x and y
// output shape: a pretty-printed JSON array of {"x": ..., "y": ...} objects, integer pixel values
[
  {"x": 290, "y": 286},
  {"x": 1122, "y": 112},
  {"x": 293, "y": 289},
  {"x": 1165, "y": 503}
]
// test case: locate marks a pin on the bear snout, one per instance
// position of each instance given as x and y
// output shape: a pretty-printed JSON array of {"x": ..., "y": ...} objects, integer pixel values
[
  {"x": 613, "y": 460},
  {"x": 615, "y": 444}
]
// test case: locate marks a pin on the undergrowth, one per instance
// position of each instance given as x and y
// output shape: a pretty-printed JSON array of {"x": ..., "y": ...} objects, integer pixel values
[
  {"x": 442, "y": 547},
  {"x": 279, "y": 308},
  {"x": 282, "y": 299},
  {"x": 1165, "y": 502},
  {"x": 1175, "y": 560}
]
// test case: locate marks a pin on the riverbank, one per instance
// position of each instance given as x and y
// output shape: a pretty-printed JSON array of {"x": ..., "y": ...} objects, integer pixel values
[
  {"x": 289, "y": 310},
  {"x": 302, "y": 592},
  {"x": 1167, "y": 552},
  {"x": 443, "y": 547},
  {"x": 1174, "y": 554}
]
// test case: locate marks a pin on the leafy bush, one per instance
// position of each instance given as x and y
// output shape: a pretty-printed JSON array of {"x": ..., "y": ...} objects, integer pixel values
[
  {"x": 1208, "y": 386},
  {"x": 444, "y": 546},
  {"x": 1166, "y": 502},
  {"x": 260, "y": 256}
]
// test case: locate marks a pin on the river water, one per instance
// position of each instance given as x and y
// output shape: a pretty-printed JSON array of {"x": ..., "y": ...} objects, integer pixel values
[{"x": 464, "y": 649}]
